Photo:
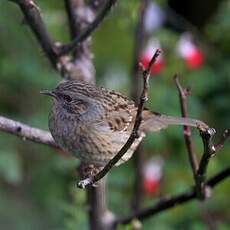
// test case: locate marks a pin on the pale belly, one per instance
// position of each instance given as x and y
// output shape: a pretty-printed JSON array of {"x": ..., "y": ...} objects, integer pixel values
[{"x": 89, "y": 144}]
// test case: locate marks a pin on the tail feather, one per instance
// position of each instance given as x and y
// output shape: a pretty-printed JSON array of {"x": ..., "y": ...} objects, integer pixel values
[
  {"x": 156, "y": 122},
  {"x": 183, "y": 121}
]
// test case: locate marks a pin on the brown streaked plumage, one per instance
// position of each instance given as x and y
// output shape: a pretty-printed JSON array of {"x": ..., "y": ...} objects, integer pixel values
[{"x": 94, "y": 123}]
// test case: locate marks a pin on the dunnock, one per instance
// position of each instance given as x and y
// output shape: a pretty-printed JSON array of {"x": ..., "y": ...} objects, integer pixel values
[{"x": 94, "y": 123}]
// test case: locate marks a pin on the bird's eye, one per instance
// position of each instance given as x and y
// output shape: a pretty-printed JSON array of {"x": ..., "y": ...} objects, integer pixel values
[{"x": 67, "y": 98}]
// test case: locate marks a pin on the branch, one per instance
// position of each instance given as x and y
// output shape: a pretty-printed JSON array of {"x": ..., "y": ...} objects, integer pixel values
[
  {"x": 209, "y": 151},
  {"x": 183, "y": 93},
  {"x": 26, "y": 132},
  {"x": 34, "y": 20},
  {"x": 86, "y": 33},
  {"x": 100, "y": 217},
  {"x": 173, "y": 201},
  {"x": 134, "y": 134}
]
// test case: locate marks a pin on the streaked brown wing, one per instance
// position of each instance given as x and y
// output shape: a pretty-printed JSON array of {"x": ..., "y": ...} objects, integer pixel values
[{"x": 118, "y": 110}]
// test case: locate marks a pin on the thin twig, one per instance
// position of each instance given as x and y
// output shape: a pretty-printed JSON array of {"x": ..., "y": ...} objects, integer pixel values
[
  {"x": 87, "y": 32},
  {"x": 173, "y": 201},
  {"x": 183, "y": 93},
  {"x": 223, "y": 138},
  {"x": 26, "y": 132},
  {"x": 134, "y": 134},
  {"x": 34, "y": 20}
]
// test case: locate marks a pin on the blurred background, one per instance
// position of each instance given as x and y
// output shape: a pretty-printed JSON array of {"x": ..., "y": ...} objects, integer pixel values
[{"x": 37, "y": 183}]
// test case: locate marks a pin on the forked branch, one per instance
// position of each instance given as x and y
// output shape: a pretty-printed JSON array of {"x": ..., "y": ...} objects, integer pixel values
[
  {"x": 56, "y": 51},
  {"x": 87, "y": 32},
  {"x": 199, "y": 169}
]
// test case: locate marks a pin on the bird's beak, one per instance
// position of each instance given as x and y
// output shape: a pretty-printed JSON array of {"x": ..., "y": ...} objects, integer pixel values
[{"x": 48, "y": 93}]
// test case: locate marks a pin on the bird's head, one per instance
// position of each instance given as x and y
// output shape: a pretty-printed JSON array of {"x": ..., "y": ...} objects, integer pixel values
[{"x": 73, "y": 96}]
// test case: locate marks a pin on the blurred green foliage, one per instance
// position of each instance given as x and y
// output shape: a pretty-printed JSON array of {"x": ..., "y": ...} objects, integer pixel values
[{"x": 37, "y": 184}]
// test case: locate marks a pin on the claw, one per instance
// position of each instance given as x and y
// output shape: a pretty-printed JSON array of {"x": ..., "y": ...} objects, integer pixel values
[{"x": 84, "y": 183}]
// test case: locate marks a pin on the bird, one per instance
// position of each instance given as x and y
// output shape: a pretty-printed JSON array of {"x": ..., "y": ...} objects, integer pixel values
[{"x": 93, "y": 123}]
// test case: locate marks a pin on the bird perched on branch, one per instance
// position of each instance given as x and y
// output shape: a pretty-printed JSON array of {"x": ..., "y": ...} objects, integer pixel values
[{"x": 94, "y": 123}]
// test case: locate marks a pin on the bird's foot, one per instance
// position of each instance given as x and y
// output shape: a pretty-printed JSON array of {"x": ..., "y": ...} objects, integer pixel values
[
  {"x": 84, "y": 183},
  {"x": 88, "y": 172}
]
